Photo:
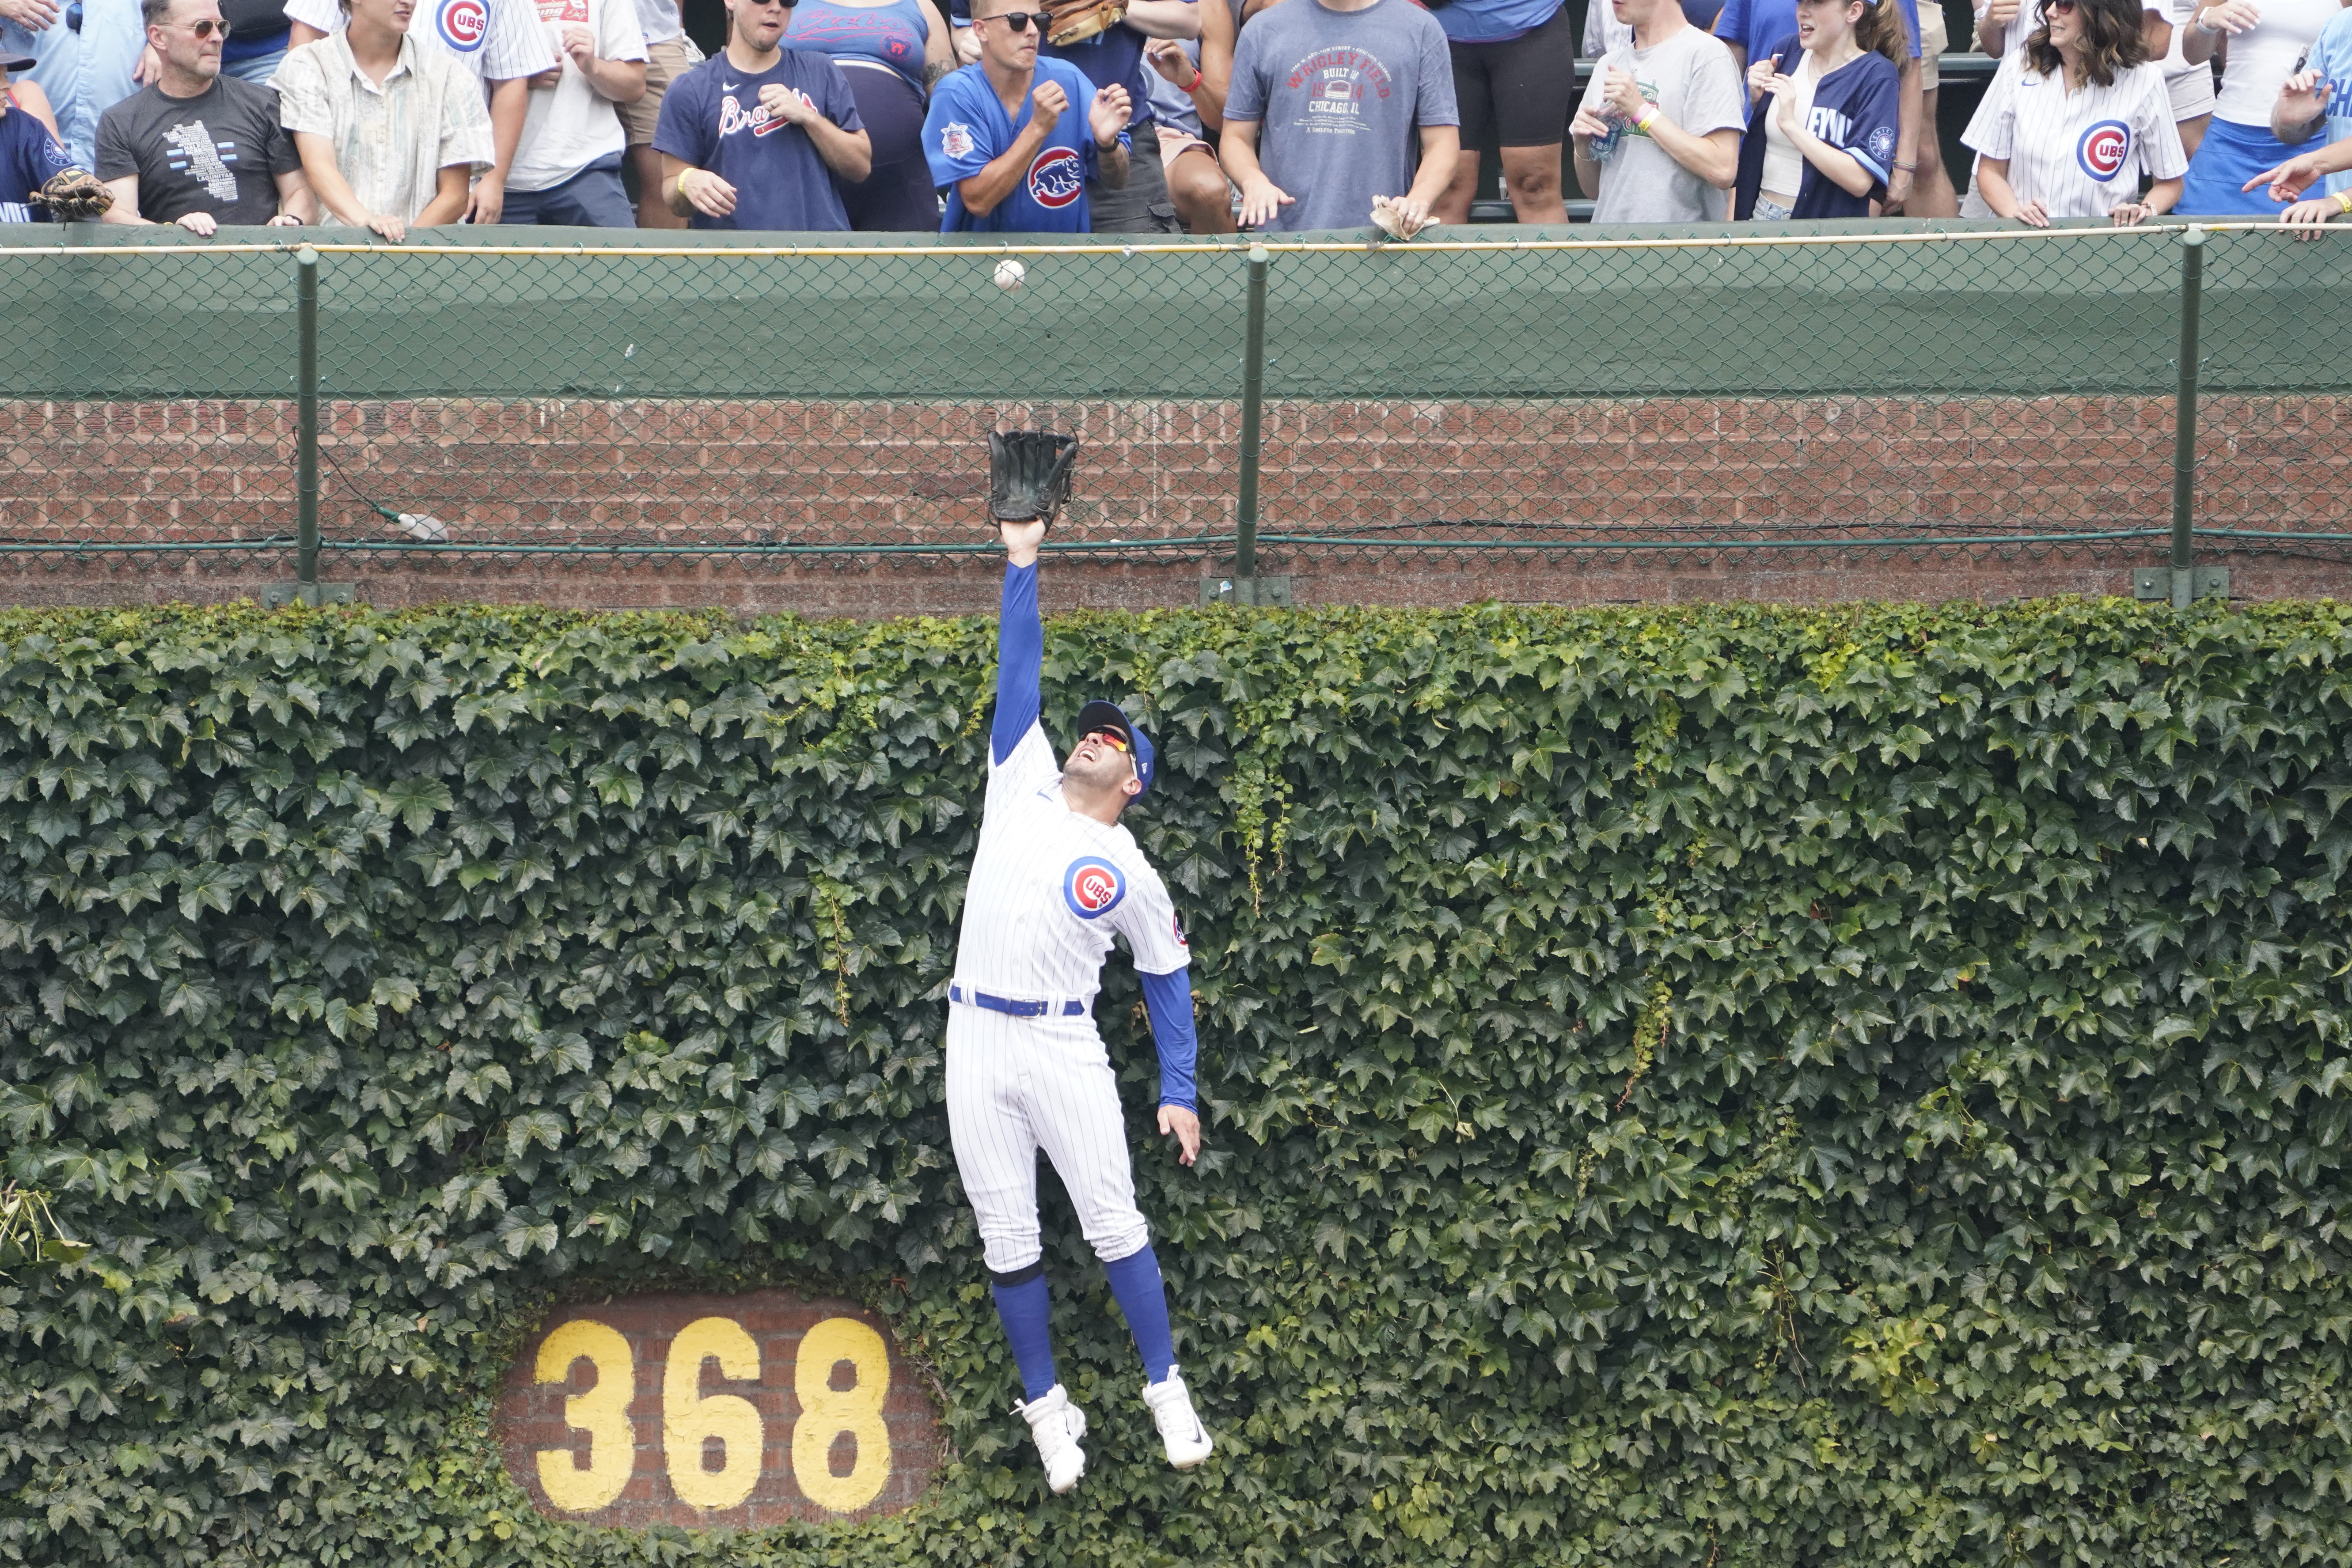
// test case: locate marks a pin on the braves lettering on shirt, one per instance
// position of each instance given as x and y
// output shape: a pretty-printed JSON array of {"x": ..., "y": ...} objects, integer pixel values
[
  {"x": 967, "y": 129},
  {"x": 757, "y": 119},
  {"x": 2080, "y": 153}
]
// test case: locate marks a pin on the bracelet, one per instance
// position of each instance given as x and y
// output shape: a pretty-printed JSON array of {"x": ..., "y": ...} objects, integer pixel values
[
  {"x": 2343, "y": 202},
  {"x": 1908, "y": 167},
  {"x": 1642, "y": 121},
  {"x": 1199, "y": 76}
]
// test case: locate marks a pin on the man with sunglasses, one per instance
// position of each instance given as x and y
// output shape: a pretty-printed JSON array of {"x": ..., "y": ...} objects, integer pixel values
[
  {"x": 1018, "y": 138},
  {"x": 1054, "y": 877},
  {"x": 754, "y": 137},
  {"x": 197, "y": 147},
  {"x": 84, "y": 53},
  {"x": 1114, "y": 55}
]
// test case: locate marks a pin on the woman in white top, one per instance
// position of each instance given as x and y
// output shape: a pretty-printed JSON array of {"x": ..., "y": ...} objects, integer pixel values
[
  {"x": 2260, "y": 45},
  {"x": 2074, "y": 121}
]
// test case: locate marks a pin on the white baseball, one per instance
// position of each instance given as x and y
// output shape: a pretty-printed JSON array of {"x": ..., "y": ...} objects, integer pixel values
[{"x": 1009, "y": 273}]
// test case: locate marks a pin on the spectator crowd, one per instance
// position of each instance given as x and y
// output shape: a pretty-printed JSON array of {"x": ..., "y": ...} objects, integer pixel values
[{"x": 1166, "y": 116}]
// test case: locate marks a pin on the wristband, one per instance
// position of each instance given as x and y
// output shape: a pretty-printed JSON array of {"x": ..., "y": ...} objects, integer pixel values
[
  {"x": 2343, "y": 202},
  {"x": 1642, "y": 121},
  {"x": 1908, "y": 167}
]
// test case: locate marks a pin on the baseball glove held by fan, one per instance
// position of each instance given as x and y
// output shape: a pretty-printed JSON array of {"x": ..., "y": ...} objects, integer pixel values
[
  {"x": 73, "y": 195},
  {"x": 1073, "y": 20},
  {"x": 1028, "y": 473}
]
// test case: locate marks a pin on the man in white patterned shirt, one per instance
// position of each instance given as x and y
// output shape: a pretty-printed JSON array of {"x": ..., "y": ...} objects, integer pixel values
[
  {"x": 500, "y": 41},
  {"x": 391, "y": 131}
]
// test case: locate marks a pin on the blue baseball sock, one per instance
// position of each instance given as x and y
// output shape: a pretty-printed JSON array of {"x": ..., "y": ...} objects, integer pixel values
[
  {"x": 1135, "y": 1280},
  {"x": 1025, "y": 1308}
]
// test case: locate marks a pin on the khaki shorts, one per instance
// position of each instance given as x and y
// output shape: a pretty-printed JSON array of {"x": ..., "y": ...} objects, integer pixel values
[
  {"x": 2191, "y": 92},
  {"x": 664, "y": 63},
  {"x": 1172, "y": 141},
  {"x": 1934, "y": 39}
]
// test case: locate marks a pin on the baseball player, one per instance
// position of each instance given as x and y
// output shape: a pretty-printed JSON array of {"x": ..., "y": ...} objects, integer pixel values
[{"x": 1055, "y": 878}]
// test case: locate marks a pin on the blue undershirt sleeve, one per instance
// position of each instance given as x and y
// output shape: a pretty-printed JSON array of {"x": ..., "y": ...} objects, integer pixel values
[
  {"x": 1020, "y": 657},
  {"x": 1169, "y": 998}
]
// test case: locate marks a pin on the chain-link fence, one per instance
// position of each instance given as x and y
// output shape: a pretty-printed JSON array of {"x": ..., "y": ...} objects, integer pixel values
[{"x": 1719, "y": 394}]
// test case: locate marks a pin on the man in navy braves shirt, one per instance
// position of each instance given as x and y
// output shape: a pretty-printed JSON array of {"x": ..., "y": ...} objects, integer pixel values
[
  {"x": 754, "y": 137},
  {"x": 1016, "y": 137}
]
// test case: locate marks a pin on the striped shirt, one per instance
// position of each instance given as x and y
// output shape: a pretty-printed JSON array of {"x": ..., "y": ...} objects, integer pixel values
[
  {"x": 390, "y": 142},
  {"x": 497, "y": 40},
  {"x": 1049, "y": 887},
  {"x": 2081, "y": 154}
]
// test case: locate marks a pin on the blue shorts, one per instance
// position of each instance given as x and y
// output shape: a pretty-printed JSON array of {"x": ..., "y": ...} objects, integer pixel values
[{"x": 2231, "y": 155}]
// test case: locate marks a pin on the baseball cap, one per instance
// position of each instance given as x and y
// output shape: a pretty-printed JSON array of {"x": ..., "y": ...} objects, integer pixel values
[
  {"x": 1100, "y": 714},
  {"x": 12, "y": 61}
]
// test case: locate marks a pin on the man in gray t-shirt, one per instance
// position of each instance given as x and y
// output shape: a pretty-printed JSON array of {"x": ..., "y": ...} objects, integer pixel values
[
  {"x": 1667, "y": 109},
  {"x": 1326, "y": 96}
]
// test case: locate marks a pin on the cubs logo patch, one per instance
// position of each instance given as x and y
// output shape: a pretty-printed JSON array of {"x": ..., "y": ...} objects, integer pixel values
[
  {"x": 1058, "y": 177},
  {"x": 955, "y": 140},
  {"x": 1092, "y": 887},
  {"x": 461, "y": 24},
  {"x": 2103, "y": 148}
]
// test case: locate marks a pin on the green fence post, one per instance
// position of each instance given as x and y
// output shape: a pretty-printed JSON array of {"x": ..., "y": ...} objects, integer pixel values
[
  {"x": 306, "y": 418},
  {"x": 306, "y": 588},
  {"x": 1246, "y": 587},
  {"x": 2181, "y": 580}
]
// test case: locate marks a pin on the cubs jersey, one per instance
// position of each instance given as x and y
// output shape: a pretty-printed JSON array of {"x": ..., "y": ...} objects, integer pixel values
[
  {"x": 967, "y": 129},
  {"x": 2331, "y": 56},
  {"x": 497, "y": 40},
  {"x": 1050, "y": 887},
  {"x": 2081, "y": 154}
]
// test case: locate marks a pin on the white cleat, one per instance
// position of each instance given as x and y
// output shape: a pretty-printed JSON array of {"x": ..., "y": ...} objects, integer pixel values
[
  {"x": 1057, "y": 1424},
  {"x": 1171, "y": 1405}
]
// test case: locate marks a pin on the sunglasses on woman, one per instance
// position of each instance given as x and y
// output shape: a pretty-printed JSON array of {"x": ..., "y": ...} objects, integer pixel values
[
  {"x": 1019, "y": 22},
  {"x": 2060, "y": 8}
]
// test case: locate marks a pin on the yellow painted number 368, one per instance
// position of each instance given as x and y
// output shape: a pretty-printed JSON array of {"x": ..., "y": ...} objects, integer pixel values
[{"x": 690, "y": 1419}]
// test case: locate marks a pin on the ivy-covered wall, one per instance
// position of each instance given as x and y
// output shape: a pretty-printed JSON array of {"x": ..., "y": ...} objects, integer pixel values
[{"x": 1729, "y": 1085}]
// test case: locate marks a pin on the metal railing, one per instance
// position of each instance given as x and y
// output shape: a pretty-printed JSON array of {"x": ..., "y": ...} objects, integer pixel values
[{"x": 1931, "y": 391}]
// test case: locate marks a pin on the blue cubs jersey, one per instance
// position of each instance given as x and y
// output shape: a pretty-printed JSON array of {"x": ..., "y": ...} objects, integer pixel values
[{"x": 967, "y": 129}]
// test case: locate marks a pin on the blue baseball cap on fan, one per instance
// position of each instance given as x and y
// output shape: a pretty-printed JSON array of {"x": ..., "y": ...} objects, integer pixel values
[{"x": 1099, "y": 715}]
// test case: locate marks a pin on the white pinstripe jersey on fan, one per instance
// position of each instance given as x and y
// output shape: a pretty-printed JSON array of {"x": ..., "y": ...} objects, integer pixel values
[
  {"x": 2080, "y": 153},
  {"x": 1050, "y": 887}
]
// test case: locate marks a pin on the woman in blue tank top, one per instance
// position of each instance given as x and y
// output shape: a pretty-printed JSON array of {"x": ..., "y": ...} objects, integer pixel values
[{"x": 891, "y": 51}]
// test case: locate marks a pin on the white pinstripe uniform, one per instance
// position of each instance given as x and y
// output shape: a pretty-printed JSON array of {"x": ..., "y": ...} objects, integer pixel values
[
  {"x": 497, "y": 40},
  {"x": 1049, "y": 886},
  {"x": 2081, "y": 154}
]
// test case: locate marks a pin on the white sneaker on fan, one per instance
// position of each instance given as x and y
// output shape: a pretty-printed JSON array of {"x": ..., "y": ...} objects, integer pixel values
[
  {"x": 1171, "y": 1405},
  {"x": 1057, "y": 1424}
]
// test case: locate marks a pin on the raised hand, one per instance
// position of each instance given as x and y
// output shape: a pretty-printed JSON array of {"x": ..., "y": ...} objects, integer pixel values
[{"x": 1109, "y": 114}]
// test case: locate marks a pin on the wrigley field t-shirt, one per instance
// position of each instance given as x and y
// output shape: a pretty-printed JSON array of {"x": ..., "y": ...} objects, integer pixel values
[{"x": 1339, "y": 97}]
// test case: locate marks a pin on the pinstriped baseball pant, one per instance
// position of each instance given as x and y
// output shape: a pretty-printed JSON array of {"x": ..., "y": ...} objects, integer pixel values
[{"x": 1018, "y": 1086}]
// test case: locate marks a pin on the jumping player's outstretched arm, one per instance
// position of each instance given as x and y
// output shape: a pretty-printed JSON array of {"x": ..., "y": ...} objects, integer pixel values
[{"x": 1020, "y": 642}]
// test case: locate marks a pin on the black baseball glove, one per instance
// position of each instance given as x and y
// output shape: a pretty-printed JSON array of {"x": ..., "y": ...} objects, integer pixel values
[{"x": 1028, "y": 473}]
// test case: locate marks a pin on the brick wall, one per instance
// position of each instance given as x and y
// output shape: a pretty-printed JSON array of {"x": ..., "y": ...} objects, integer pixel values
[{"x": 1634, "y": 475}]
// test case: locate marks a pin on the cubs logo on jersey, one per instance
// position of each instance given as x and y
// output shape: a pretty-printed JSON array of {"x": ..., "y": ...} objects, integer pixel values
[
  {"x": 1092, "y": 887},
  {"x": 1056, "y": 178},
  {"x": 2104, "y": 149},
  {"x": 462, "y": 24}
]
